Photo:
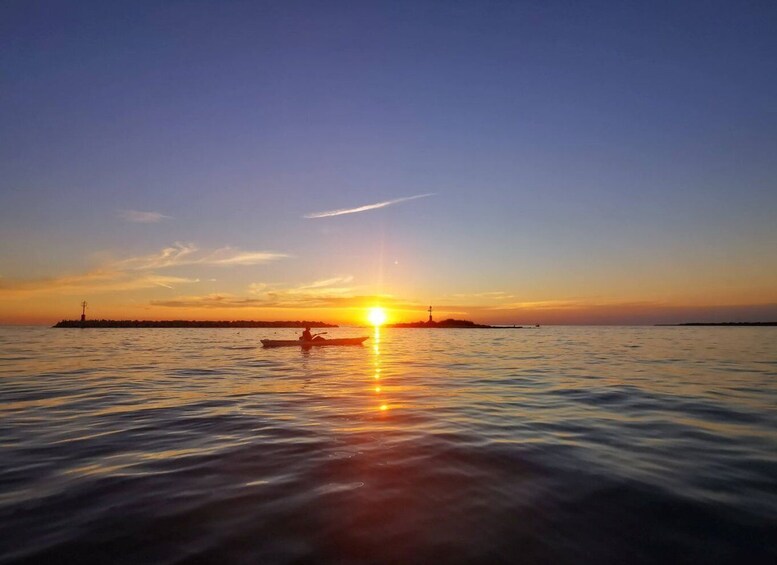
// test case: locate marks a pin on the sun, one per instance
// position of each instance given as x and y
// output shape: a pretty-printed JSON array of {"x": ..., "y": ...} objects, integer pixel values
[{"x": 377, "y": 316}]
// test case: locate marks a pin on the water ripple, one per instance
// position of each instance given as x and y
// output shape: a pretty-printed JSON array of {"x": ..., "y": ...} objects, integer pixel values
[{"x": 559, "y": 445}]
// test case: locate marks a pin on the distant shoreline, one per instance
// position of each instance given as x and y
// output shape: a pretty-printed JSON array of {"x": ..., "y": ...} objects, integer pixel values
[
  {"x": 746, "y": 324},
  {"x": 454, "y": 324},
  {"x": 449, "y": 323},
  {"x": 188, "y": 324}
]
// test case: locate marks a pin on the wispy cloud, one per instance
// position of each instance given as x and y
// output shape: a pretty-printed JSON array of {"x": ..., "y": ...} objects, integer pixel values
[
  {"x": 224, "y": 300},
  {"x": 133, "y": 273},
  {"x": 492, "y": 295},
  {"x": 326, "y": 283},
  {"x": 556, "y": 305},
  {"x": 91, "y": 282},
  {"x": 208, "y": 301},
  {"x": 173, "y": 256},
  {"x": 181, "y": 254},
  {"x": 333, "y": 285},
  {"x": 333, "y": 292},
  {"x": 229, "y": 256},
  {"x": 306, "y": 293},
  {"x": 366, "y": 207},
  {"x": 138, "y": 217}
]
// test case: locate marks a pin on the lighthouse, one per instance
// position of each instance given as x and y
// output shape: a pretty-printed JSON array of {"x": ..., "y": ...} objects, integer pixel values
[
  {"x": 430, "y": 315},
  {"x": 83, "y": 311}
]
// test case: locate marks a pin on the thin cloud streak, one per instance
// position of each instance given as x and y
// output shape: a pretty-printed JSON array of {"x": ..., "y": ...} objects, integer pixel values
[
  {"x": 138, "y": 217},
  {"x": 322, "y": 293},
  {"x": 327, "y": 283},
  {"x": 226, "y": 300},
  {"x": 181, "y": 254},
  {"x": 99, "y": 281},
  {"x": 134, "y": 273},
  {"x": 366, "y": 207},
  {"x": 242, "y": 257}
]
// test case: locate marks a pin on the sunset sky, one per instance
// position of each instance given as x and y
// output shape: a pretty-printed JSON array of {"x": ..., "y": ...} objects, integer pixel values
[{"x": 506, "y": 162}]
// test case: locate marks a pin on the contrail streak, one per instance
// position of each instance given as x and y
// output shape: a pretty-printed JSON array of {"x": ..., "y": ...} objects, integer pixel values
[{"x": 366, "y": 207}]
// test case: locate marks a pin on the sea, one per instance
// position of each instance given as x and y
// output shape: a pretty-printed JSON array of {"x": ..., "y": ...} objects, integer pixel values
[{"x": 538, "y": 445}]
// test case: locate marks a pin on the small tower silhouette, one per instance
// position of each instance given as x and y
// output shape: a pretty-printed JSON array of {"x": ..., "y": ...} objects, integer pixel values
[
  {"x": 430, "y": 314},
  {"x": 83, "y": 311}
]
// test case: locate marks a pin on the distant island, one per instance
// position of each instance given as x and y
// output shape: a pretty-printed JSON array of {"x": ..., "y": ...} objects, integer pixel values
[
  {"x": 722, "y": 324},
  {"x": 449, "y": 323},
  {"x": 188, "y": 324}
]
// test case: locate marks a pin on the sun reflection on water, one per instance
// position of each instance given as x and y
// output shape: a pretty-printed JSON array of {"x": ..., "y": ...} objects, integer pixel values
[{"x": 382, "y": 406}]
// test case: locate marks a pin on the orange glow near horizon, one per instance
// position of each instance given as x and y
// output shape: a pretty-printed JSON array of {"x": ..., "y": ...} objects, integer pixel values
[{"x": 41, "y": 308}]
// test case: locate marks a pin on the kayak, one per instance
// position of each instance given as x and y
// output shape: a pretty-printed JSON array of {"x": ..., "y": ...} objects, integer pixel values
[{"x": 315, "y": 342}]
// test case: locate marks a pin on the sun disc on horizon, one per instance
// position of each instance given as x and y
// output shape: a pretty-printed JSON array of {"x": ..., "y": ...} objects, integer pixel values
[{"x": 377, "y": 316}]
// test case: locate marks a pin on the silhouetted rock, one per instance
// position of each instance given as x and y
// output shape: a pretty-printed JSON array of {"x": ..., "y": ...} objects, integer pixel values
[
  {"x": 449, "y": 323},
  {"x": 188, "y": 324}
]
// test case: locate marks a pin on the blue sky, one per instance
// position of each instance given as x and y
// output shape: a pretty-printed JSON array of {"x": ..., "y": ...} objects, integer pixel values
[{"x": 589, "y": 153}]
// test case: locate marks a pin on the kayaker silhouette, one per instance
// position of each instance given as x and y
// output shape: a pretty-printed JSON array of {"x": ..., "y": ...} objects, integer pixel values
[{"x": 307, "y": 336}]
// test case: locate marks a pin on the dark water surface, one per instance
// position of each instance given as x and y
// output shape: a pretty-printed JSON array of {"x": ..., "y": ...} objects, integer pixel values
[{"x": 556, "y": 445}]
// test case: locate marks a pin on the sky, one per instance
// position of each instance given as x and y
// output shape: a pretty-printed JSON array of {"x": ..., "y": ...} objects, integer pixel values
[{"x": 506, "y": 162}]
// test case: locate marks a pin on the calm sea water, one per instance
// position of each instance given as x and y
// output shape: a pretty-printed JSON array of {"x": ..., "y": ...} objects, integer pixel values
[{"x": 550, "y": 445}]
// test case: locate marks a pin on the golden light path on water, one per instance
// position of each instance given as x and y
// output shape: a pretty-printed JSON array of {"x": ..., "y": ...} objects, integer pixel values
[{"x": 382, "y": 404}]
